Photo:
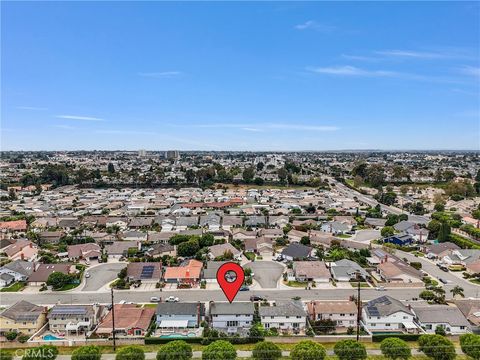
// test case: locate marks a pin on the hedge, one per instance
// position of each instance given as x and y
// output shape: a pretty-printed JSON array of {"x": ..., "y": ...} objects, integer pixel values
[
  {"x": 406, "y": 337},
  {"x": 157, "y": 340}
]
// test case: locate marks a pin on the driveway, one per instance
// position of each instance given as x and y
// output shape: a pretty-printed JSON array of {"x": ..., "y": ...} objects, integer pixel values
[
  {"x": 266, "y": 273},
  {"x": 365, "y": 236},
  {"x": 101, "y": 275}
]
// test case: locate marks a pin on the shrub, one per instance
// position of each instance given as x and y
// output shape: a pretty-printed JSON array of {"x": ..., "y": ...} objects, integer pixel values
[
  {"x": 219, "y": 350},
  {"x": 23, "y": 338},
  {"x": 394, "y": 348},
  {"x": 87, "y": 352},
  {"x": 130, "y": 353},
  {"x": 175, "y": 350},
  {"x": 437, "y": 347},
  {"x": 11, "y": 335},
  {"x": 440, "y": 330},
  {"x": 44, "y": 352},
  {"x": 350, "y": 349},
  {"x": 308, "y": 350},
  {"x": 266, "y": 350},
  {"x": 470, "y": 344}
]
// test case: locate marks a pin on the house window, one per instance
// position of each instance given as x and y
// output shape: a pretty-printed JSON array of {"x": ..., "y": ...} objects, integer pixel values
[
  {"x": 299, "y": 317},
  {"x": 232, "y": 323},
  {"x": 288, "y": 317},
  {"x": 342, "y": 314},
  {"x": 281, "y": 324},
  {"x": 296, "y": 325},
  {"x": 387, "y": 324}
]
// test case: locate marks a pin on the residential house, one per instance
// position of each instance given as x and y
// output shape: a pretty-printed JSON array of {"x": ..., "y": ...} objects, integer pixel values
[
  {"x": 146, "y": 272},
  {"x": 50, "y": 237},
  {"x": 255, "y": 221},
  {"x": 17, "y": 270},
  {"x": 298, "y": 251},
  {"x": 68, "y": 223},
  {"x": 156, "y": 250},
  {"x": 210, "y": 221},
  {"x": 376, "y": 223},
  {"x": 336, "y": 227},
  {"x": 130, "y": 320},
  {"x": 271, "y": 234},
  {"x": 295, "y": 236},
  {"x": 219, "y": 250},
  {"x": 470, "y": 308},
  {"x": 231, "y": 318},
  {"x": 289, "y": 317},
  {"x": 185, "y": 222},
  {"x": 13, "y": 226},
  {"x": 23, "y": 317},
  {"x": 77, "y": 319},
  {"x": 315, "y": 271},
  {"x": 241, "y": 234},
  {"x": 394, "y": 270},
  {"x": 134, "y": 236},
  {"x": 347, "y": 270},
  {"x": 461, "y": 257},
  {"x": 402, "y": 239},
  {"x": 342, "y": 312},
  {"x": 21, "y": 250},
  {"x": 418, "y": 233},
  {"x": 261, "y": 246},
  {"x": 173, "y": 316},
  {"x": 438, "y": 251},
  {"x": 140, "y": 222},
  {"x": 230, "y": 222},
  {"x": 41, "y": 272},
  {"x": 279, "y": 221},
  {"x": 119, "y": 249},
  {"x": 386, "y": 314},
  {"x": 450, "y": 318},
  {"x": 86, "y": 251},
  {"x": 209, "y": 273},
  {"x": 189, "y": 273}
]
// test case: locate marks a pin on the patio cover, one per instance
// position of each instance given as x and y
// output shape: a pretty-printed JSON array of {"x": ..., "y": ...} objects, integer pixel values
[{"x": 173, "y": 324}]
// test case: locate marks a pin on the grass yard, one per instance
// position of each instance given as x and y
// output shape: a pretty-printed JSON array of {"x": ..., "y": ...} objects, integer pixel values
[
  {"x": 343, "y": 236},
  {"x": 297, "y": 284},
  {"x": 18, "y": 286}
]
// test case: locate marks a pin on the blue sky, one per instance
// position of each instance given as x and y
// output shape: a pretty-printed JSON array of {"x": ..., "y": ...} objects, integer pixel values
[{"x": 240, "y": 76}]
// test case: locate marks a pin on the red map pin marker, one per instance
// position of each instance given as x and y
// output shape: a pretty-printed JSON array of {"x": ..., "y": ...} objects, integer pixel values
[{"x": 230, "y": 277}]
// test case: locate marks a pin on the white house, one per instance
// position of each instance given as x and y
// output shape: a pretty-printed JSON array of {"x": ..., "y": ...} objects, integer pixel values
[
  {"x": 289, "y": 317},
  {"x": 388, "y": 314},
  {"x": 232, "y": 317},
  {"x": 17, "y": 270},
  {"x": 342, "y": 312},
  {"x": 448, "y": 317}
]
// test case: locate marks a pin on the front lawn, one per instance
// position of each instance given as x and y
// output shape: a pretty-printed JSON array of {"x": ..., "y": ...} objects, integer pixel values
[
  {"x": 18, "y": 286},
  {"x": 295, "y": 284},
  {"x": 343, "y": 236}
]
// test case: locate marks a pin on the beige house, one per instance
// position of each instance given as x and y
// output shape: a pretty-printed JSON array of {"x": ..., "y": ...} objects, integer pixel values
[{"x": 23, "y": 317}]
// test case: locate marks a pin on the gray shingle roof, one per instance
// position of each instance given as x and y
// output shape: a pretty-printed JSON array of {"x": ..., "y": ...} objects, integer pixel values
[
  {"x": 287, "y": 309},
  {"x": 235, "y": 308},
  {"x": 385, "y": 306},
  {"x": 180, "y": 308},
  {"x": 440, "y": 314}
]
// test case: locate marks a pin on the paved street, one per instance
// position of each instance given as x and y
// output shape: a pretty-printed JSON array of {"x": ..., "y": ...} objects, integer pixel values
[
  {"x": 101, "y": 275},
  {"x": 266, "y": 273}
]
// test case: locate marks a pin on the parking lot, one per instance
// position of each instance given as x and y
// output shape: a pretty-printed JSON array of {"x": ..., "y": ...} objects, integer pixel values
[{"x": 266, "y": 273}]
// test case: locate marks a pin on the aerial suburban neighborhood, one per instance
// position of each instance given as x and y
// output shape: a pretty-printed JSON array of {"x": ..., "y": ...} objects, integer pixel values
[
  {"x": 330, "y": 243},
  {"x": 234, "y": 180}
]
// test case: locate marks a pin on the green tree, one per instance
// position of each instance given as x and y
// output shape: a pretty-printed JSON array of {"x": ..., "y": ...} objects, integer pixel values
[
  {"x": 44, "y": 352},
  {"x": 308, "y": 350},
  {"x": 387, "y": 231},
  {"x": 58, "y": 280},
  {"x": 427, "y": 295},
  {"x": 130, "y": 353},
  {"x": 444, "y": 232},
  {"x": 219, "y": 350},
  {"x": 189, "y": 248},
  {"x": 248, "y": 174},
  {"x": 395, "y": 348},
  {"x": 266, "y": 350},
  {"x": 350, "y": 349},
  {"x": 87, "y": 352},
  {"x": 324, "y": 326},
  {"x": 457, "y": 290},
  {"x": 470, "y": 344},
  {"x": 11, "y": 335},
  {"x": 440, "y": 330},
  {"x": 305, "y": 240},
  {"x": 110, "y": 168},
  {"x": 437, "y": 347},
  {"x": 282, "y": 174},
  {"x": 175, "y": 350}
]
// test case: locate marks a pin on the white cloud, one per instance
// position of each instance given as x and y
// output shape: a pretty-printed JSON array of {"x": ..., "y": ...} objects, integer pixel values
[
  {"x": 471, "y": 71},
  {"x": 347, "y": 70},
  {"x": 251, "y": 129},
  {"x": 161, "y": 74},
  {"x": 34, "y": 108},
  {"x": 313, "y": 25},
  {"x": 125, "y": 132},
  {"x": 65, "y": 127},
  {"x": 78, "y": 117},
  {"x": 265, "y": 126},
  {"x": 412, "y": 54},
  {"x": 304, "y": 127}
]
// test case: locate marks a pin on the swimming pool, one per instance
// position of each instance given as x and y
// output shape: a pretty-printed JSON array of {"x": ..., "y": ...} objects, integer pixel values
[
  {"x": 51, "y": 337},
  {"x": 177, "y": 336}
]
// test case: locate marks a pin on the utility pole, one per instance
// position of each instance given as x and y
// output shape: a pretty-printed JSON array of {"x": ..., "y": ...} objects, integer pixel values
[
  {"x": 113, "y": 322},
  {"x": 358, "y": 305}
]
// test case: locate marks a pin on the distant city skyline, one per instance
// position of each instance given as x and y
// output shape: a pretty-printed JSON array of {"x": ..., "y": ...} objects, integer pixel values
[{"x": 234, "y": 76}]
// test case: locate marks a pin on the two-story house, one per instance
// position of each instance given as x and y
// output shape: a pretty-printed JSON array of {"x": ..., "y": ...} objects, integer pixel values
[
  {"x": 450, "y": 318},
  {"x": 173, "y": 316},
  {"x": 388, "y": 314},
  {"x": 342, "y": 312},
  {"x": 23, "y": 317},
  {"x": 76, "y": 319},
  {"x": 289, "y": 317},
  {"x": 232, "y": 318}
]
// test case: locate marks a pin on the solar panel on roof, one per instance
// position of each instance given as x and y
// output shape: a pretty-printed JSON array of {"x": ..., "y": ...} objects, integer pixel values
[{"x": 147, "y": 272}]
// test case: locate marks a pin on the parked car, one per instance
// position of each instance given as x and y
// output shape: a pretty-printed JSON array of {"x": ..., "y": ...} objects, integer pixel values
[
  {"x": 256, "y": 298},
  {"x": 380, "y": 288},
  {"x": 155, "y": 299},
  {"x": 87, "y": 274},
  {"x": 443, "y": 281},
  {"x": 171, "y": 299},
  {"x": 244, "y": 288}
]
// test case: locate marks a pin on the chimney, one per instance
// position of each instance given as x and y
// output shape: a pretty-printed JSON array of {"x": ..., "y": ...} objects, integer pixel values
[
  {"x": 30, "y": 245},
  {"x": 22, "y": 256},
  {"x": 386, "y": 258}
]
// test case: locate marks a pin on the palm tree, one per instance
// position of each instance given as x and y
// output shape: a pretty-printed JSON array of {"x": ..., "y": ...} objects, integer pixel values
[{"x": 457, "y": 290}]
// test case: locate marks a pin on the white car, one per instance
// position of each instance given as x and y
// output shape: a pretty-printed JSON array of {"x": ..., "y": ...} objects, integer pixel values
[
  {"x": 154, "y": 299},
  {"x": 171, "y": 299},
  {"x": 380, "y": 288},
  {"x": 87, "y": 275}
]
